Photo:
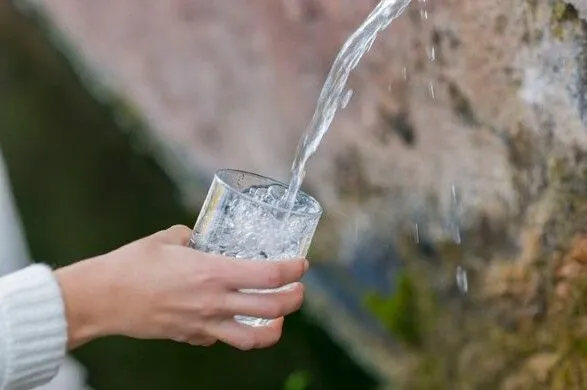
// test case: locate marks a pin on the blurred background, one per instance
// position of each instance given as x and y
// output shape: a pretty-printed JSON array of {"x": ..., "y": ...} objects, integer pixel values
[
  {"x": 452, "y": 253},
  {"x": 81, "y": 190}
]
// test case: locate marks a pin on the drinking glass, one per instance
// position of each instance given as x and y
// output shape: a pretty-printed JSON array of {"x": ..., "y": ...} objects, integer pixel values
[{"x": 243, "y": 217}]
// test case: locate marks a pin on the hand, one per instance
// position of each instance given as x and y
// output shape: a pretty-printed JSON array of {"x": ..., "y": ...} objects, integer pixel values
[{"x": 157, "y": 287}]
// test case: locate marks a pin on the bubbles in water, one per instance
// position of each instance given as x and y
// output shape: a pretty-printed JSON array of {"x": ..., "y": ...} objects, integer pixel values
[
  {"x": 244, "y": 229},
  {"x": 274, "y": 195},
  {"x": 305, "y": 206},
  {"x": 346, "y": 98},
  {"x": 461, "y": 279},
  {"x": 265, "y": 194}
]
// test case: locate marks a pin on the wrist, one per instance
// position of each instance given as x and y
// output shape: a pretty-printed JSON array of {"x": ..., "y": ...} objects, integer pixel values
[{"x": 85, "y": 289}]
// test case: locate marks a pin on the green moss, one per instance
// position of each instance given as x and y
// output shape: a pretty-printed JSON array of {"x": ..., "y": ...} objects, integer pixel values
[
  {"x": 431, "y": 375},
  {"x": 567, "y": 176},
  {"x": 401, "y": 313},
  {"x": 562, "y": 12}
]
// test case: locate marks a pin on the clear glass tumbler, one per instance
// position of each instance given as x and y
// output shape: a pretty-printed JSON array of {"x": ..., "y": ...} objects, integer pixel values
[{"x": 243, "y": 218}]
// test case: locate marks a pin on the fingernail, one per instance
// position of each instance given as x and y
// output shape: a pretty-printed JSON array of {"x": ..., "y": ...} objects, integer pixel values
[
  {"x": 306, "y": 265},
  {"x": 288, "y": 287}
]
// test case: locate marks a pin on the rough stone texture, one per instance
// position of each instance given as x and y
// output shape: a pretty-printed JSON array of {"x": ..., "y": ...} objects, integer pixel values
[
  {"x": 240, "y": 102},
  {"x": 499, "y": 111},
  {"x": 581, "y": 6}
]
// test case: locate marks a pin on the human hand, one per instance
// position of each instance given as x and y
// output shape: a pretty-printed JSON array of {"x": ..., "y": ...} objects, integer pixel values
[{"x": 157, "y": 288}]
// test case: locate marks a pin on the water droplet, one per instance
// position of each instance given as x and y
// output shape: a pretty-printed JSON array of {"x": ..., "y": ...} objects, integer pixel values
[
  {"x": 455, "y": 214},
  {"x": 416, "y": 232},
  {"x": 346, "y": 98},
  {"x": 456, "y": 195},
  {"x": 456, "y": 236},
  {"x": 432, "y": 54},
  {"x": 405, "y": 73},
  {"x": 424, "y": 14},
  {"x": 461, "y": 279},
  {"x": 431, "y": 90}
]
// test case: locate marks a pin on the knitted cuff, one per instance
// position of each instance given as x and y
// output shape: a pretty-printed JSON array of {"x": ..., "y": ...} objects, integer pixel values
[{"x": 33, "y": 329}]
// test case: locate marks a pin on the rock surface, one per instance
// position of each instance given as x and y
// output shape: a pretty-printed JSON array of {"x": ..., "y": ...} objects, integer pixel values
[{"x": 487, "y": 98}]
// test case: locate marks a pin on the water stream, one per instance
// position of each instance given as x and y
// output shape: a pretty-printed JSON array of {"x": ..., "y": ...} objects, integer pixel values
[{"x": 334, "y": 95}]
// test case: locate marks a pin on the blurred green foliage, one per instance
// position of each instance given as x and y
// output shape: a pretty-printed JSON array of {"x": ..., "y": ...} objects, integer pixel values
[
  {"x": 298, "y": 380},
  {"x": 401, "y": 312}
]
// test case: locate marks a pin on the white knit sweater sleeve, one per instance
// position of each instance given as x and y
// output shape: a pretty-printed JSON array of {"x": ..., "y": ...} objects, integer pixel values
[{"x": 33, "y": 330}]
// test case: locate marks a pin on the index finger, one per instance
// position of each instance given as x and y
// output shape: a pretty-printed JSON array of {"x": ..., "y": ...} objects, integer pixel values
[{"x": 262, "y": 274}]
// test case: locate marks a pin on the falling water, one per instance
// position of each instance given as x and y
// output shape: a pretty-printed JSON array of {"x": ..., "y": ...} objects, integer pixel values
[
  {"x": 455, "y": 215},
  {"x": 333, "y": 92},
  {"x": 455, "y": 232},
  {"x": 462, "y": 281}
]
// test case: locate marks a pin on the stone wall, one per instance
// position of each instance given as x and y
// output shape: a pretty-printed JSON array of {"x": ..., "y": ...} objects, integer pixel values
[{"x": 498, "y": 111}]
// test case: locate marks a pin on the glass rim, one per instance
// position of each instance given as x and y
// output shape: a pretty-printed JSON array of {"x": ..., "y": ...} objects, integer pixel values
[{"x": 218, "y": 177}]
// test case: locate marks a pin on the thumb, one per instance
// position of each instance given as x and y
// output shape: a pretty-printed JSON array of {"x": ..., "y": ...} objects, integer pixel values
[{"x": 175, "y": 235}]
